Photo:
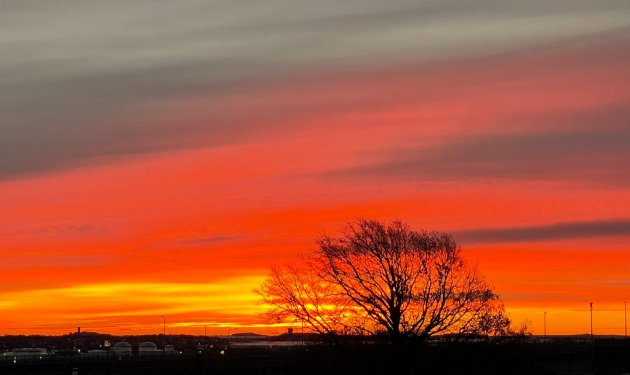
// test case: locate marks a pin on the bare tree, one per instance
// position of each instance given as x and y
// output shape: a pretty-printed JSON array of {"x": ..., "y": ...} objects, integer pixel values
[
  {"x": 297, "y": 291},
  {"x": 386, "y": 278}
]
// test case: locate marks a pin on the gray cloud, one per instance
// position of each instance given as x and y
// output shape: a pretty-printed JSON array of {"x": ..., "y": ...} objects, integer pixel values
[
  {"x": 595, "y": 155},
  {"x": 56, "y": 261},
  {"x": 558, "y": 231},
  {"x": 210, "y": 240},
  {"x": 64, "y": 229},
  {"x": 72, "y": 69}
]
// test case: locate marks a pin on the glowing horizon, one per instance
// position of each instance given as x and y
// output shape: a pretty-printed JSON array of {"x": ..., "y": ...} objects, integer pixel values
[{"x": 153, "y": 167}]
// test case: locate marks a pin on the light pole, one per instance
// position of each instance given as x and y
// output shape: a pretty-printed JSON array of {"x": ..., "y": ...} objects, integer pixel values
[
  {"x": 625, "y": 318},
  {"x": 592, "y": 337},
  {"x": 228, "y": 335},
  {"x": 545, "y": 324},
  {"x": 164, "y": 336}
]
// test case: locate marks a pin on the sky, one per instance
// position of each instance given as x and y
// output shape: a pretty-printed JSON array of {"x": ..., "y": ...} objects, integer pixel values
[{"x": 157, "y": 157}]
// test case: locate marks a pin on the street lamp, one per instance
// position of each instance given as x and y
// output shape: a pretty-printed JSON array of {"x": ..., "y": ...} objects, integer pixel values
[
  {"x": 545, "y": 324},
  {"x": 228, "y": 333},
  {"x": 592, "y": 337},
  {"x": 625, "y": 318},
  {"x": 164, "y": 336}
]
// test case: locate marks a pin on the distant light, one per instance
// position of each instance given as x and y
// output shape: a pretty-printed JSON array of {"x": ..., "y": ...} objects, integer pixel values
[{"x": 222, "y": 352}]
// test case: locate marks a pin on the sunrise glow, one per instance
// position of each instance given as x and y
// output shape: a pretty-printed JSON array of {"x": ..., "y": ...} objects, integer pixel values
[{"x": 157, "y": 189}]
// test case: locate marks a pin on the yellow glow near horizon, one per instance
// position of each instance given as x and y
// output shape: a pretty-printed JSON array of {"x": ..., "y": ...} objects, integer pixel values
[{"x": 100, "y": 307}]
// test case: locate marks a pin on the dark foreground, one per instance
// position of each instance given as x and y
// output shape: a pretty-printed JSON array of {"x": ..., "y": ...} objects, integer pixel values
[{"x": 609, "y": 357}]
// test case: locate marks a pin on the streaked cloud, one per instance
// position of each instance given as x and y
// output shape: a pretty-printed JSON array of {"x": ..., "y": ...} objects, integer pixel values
[
  {"x": 210, "y": 240},
  {"x": 547, "y": 232},
  {"x": 597, "y": 155},
  {"x": 131, "y": 305},
  {"x": 151, "y": 152},
  {"x": 61, "y": 261},
  {"x": 73, "y": 73}
]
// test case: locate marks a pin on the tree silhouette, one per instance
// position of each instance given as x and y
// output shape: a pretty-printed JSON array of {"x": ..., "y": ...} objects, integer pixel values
[
  {"x": 388, "y": 279},
  {"x": 297, "y": 291}
]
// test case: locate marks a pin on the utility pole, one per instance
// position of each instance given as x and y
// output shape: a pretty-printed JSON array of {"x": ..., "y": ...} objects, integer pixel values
[
  {"x": 625, "y": 318},
  {"x": 545, "y": 324}
]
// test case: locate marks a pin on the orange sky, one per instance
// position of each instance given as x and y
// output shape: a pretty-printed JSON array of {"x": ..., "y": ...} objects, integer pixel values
[{"x": 523, "y": 156}]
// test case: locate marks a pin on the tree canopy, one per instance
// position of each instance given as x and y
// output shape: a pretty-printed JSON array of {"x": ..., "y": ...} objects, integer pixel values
[{"x": 385, "y": 278}]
